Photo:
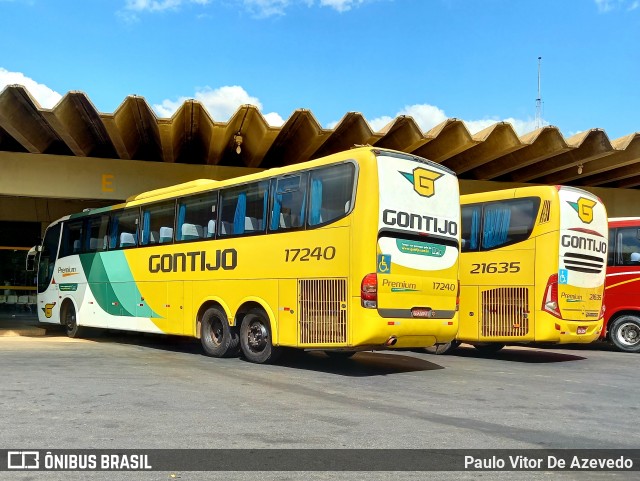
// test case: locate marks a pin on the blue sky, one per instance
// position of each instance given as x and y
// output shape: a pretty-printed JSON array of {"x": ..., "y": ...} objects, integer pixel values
[{"x": 431, "y": 59}]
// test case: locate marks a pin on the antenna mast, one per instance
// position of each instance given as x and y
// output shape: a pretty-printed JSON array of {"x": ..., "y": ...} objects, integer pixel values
[{"x": 539, "y": 99}]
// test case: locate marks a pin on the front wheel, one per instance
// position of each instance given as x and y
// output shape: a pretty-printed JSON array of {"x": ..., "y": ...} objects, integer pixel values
[
  {"x": 217, "y": 337},
  {"x": 255, "y": 338},
  {"x": 489, "y": 347},
  {"x": 70, "y": 322},
  {"x": 625, "y": 333}
]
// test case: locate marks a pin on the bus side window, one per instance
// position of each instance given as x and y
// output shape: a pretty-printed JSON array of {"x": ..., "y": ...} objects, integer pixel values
[
  {"x": 124, "y": 222},
  {"x": 244, "y": 209},
  {"x": 628, "y": 246},
  {"x": 470, "y": 227},
  {"x": 197, "y": 217},
  {"x": 97, "y": 232},
  {"x": 154, "y": 217},
  {"x": 72, "y": 235},
  {"x": 287, "y": 200},
  {"x": 330, "y": 193}
]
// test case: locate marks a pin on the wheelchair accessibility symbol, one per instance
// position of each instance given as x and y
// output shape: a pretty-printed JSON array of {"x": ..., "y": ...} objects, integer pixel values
[
  {"x": 563, "y": 276},
  {"x": 384, "y": 264}
]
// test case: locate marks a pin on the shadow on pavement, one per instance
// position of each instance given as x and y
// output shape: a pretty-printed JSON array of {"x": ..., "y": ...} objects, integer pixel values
[
  {"x": 365, "y": 363},
  {"x": 533, "y": 355}
]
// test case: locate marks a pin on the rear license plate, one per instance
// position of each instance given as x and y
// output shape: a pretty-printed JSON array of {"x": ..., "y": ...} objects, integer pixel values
[
  {"x": 423, "y": 312},
  {"x": 582, "y": 330}
]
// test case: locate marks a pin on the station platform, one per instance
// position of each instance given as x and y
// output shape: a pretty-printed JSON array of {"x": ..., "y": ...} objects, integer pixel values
[{"x": 14, "y": 323}]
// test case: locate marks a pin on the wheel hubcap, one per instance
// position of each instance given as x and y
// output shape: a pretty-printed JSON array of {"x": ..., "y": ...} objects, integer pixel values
[
  {"x": 629, "y": 334},
  {"x": 257, "y": 336},
  {"x": 216, "y": 332}
]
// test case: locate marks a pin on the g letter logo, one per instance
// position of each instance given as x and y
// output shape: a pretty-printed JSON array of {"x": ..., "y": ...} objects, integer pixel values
[
  {"x": 423, "y": 181},
  {"x": 584, "y": 208}
]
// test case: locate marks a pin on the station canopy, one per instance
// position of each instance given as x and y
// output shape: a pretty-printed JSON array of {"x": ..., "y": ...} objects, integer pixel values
[{"x": 75, "y": 128}]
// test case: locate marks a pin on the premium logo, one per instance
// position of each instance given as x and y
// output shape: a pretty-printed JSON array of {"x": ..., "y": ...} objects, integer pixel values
[
  {"x": 584, "y": 208},
  {"x": 423, "y": 180}
]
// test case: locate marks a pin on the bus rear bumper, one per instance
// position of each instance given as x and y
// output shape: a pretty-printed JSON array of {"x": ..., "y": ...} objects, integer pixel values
[
  {"x": 395, "y": 333},
  {"x": 570, "y": 332}
]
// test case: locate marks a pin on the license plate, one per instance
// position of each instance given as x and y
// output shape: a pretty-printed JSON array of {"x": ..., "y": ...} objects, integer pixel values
[
  {"x": 423, "y": 312},
  {"x": 582, "y": 330}
]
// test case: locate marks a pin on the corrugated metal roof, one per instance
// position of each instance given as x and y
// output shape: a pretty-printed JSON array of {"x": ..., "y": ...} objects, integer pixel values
[{"x": 74, "y": 127}]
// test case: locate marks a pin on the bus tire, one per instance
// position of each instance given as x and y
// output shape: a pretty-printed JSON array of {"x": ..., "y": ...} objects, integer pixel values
[
  {"x": 340, "y": 354},
  {"x": 255, "y": 338},
  {"x": 489, "y": 347},
  {"x": 625, "y": 333},
  {"x": 69, "y": 320},
  {"x": 445, "y": 348},
  {"x": 217, "y": 337}
]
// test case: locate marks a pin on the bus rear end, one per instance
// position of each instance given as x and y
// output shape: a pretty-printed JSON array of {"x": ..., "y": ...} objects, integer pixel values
[
  {"x": 573, "y": 296},
  {"x": 411, "y": 298}
]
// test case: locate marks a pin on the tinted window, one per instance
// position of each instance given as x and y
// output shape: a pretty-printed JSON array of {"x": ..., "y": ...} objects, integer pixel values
[
  {"x": 495, "y": 224},
  {"x": 508, "y": 222},
  {"x": 288, "y": 201},
  {"x": 123, "y": 231},
  {"x": 157, "y": 223},
  {"x": 98, "y": 238},
  {"x": 243, "y": 209},
  {"x": 471, "y": 215},
  {"x": 72, "y": 237},
  {"x": 197, "y": 217},
  {"x": 330, "y": 193},
  {"x": 48, "y": 257},
  {"x": 628, "y": 246}
]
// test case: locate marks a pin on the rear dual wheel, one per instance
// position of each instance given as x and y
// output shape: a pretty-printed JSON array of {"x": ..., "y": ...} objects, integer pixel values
[
  {"x": 256, "y": 340},
  {"x": 218, "y": 338}
]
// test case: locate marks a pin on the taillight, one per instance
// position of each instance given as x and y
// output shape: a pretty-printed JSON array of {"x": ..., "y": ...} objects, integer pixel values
[
  {"x": 458, "y": 298},
  {"x": 603, "y": 309},
  {"x": 369, "y": 291},
  {"x": 550, "y": 302}
]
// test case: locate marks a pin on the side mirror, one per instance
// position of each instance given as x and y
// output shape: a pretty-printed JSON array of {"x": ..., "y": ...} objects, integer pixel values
[{"x": 31, "y": 258}]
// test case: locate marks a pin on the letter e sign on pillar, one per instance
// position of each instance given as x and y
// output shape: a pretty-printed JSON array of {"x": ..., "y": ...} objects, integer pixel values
[{"x": 107, "y": 182}]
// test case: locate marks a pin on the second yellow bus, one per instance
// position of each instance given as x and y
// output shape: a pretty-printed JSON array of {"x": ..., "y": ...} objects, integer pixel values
[{"x": 532, "y": 267}]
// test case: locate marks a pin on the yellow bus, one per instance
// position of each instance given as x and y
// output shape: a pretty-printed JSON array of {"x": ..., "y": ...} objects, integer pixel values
[
  {"x": 358, "y": 250},
  {"x": 532, "y": 267}
]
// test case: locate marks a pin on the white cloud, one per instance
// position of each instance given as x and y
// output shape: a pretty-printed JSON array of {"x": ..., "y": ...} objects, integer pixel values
[
  {"x": 428, "y": 116},
  {"x": 342, "y": 5},
  {"x": 259, "y": 8},
  {"x": 266, "y": 8},
  {"x": 606, "y": 6},
  {"x": 158, "y": 5},
  {"x": 133, "y": 7},
  {"x": 45, "y": 96},
  {"x": 221, "y": 103}
]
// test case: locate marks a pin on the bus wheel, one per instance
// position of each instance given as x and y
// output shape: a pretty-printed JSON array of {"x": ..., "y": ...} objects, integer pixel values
[
  {"x": 69, "y": 321},
  {"x": 255, "y": 338},
  {"x": 340, "y": 354},
  {"x": 489, "y": 347},
  {"x": 625, "y": 333},
  {"x": 445, "y": 348},
  {"x": 217, "y": 337}
]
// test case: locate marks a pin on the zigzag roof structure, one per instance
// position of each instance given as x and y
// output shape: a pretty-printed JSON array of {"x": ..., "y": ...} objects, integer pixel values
[{"x": 74, "y": 127}]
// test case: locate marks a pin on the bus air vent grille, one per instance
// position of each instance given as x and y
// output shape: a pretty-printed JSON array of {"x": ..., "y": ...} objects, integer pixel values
[
  {"x": 322, "y": 311},
  {"x": 505, "y": 312},
  {"x": 546, "y": 212}
]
